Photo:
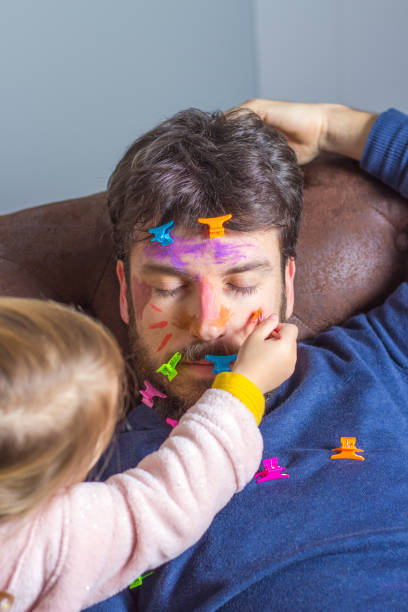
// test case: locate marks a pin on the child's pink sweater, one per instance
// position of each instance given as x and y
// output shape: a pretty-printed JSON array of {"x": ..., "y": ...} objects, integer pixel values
[{"x": 95, "y": 539}]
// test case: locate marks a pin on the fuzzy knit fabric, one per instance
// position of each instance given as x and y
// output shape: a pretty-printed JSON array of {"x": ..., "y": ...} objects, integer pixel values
[{"x": 94, "y": 539}]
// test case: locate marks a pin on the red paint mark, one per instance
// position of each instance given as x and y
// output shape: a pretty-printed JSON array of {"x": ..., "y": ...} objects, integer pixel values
[
  {"x": 141, "y": 296},
  {"x": 158, "y": 325},
  {"x": 155, "y": 308},
  {"x": 165, "y": 341}
]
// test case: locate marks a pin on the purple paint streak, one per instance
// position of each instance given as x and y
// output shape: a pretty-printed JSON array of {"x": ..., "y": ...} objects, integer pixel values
[
  {"x": 229, "y": 252},
  {"x": 222, "y": 251}
]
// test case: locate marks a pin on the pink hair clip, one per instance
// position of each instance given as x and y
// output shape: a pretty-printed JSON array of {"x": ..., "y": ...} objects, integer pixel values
[{"x": 272, "y": 471}]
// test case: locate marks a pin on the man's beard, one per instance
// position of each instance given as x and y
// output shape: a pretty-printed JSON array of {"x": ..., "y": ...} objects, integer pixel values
[{"x": 183, "y": 391}]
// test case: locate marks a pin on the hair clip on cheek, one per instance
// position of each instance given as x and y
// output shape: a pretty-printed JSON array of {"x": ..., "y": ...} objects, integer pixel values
[
  {"x": 215, "y": 225},
  {"x": 161, "y": 233}
]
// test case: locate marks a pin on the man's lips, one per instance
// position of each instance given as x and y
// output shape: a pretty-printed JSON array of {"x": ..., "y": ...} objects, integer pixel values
[
  {"x": 202, "y": 362},
  {"x": 199, "y": 369}
]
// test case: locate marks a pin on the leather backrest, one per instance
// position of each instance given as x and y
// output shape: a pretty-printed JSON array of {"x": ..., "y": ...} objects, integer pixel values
[{"x": 352, "y": 250}]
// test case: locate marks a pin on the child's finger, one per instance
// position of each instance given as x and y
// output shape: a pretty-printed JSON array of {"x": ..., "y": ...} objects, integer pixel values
[
  {"x": 254, "y": 319},
  {"x": 288, "y": 331},
  {"x": 266, "y": 326}
]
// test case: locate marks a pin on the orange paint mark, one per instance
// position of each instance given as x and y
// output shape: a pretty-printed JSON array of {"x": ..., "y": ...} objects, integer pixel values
[
  {"x": 158, "y": 325},
  {"x": 223, "y": 318},
  {"x": 256, "y": 315},
  {"x": 155, "y": 308},
  {"x": 165, "y": 341}
]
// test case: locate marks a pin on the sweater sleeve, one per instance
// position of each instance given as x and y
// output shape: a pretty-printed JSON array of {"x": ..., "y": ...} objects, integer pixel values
[
  {"x": 385, "y": 155},
  {"x": 244, "y": 389},
  {"x": 96, "y": 538}
]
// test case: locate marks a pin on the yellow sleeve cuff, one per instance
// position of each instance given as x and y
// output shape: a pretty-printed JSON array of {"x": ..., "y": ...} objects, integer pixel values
[{"x": 242, "y": 388}]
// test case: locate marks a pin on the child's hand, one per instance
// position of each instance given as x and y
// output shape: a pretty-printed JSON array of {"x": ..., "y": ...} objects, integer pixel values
[{"x": 266, "y": 360}]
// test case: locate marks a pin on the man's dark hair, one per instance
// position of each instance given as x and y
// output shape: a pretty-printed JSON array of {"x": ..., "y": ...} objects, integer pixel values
[{"x": 199, "y": 164}]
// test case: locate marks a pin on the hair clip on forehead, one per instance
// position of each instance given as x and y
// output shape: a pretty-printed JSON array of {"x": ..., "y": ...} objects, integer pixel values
[
  {"x": 215, "y": 225},
  {"x": 161, "y": 233}
]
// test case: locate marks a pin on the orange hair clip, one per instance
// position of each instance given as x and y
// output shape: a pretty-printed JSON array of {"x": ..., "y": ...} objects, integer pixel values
[{"x": 215, "y": 225}]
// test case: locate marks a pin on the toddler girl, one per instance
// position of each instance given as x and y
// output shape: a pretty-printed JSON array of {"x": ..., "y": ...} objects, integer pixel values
[{"x": 66, "y": 544}]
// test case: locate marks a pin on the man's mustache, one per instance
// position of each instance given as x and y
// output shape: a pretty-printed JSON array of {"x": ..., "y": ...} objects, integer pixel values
[{"x": 198, "y": 350}]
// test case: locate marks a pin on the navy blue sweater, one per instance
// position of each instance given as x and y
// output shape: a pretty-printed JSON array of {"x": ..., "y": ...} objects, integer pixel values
[{"x": 334, "y": 535}]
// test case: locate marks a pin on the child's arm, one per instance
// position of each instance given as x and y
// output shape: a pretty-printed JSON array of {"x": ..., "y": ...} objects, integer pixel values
[{"x": 101, "y": 536}]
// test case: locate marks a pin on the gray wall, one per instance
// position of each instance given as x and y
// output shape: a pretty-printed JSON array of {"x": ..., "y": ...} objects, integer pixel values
[
  {"x": 347, "y": 51},
  {"x": 80, "y": 80}
]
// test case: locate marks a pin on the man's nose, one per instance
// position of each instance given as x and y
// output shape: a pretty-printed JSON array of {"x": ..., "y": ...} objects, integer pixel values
[
  {"x": 205, "y": 329},
  {"x": 209, "y": 322}
]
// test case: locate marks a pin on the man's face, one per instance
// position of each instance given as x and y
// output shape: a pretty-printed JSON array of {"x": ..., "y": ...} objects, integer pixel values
[{"x": 197, "y": 296}]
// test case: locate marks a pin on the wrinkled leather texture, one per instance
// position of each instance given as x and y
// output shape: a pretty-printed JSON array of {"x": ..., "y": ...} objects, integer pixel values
[{"x": 352, "y": 250}]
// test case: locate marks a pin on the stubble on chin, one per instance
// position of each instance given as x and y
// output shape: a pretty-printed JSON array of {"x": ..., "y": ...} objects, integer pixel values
[{"x": 182, "y": 392}]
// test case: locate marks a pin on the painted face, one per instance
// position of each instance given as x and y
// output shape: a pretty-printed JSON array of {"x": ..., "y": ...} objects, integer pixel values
[{"x": 197, "y": 296}]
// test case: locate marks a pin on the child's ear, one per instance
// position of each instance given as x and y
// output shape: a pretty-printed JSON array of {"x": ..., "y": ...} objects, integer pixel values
[{"x": 123, "y": 304}]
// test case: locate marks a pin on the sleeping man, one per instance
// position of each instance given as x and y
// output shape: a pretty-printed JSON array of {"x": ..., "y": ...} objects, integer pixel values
[{"x": 332, "y": 535}]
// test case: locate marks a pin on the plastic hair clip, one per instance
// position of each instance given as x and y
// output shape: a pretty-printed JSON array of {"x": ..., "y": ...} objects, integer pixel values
[
  {"x": 271, "y": 471},
  {"x": 169, "y": 369},
  {"x": 161, "y": 233},
  {"x": 215, "y": 229},
  {"x": 348, "y": 450},
  {"x": 221, "y": 362},
  {"x": 149, "y": 393},
  {"x": 172, "y": 422},
  {"x": 139, "y": 580}
]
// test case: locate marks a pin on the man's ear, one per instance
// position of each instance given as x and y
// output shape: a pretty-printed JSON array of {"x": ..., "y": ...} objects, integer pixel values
[
  {"x": 290, "y": 271},
  {"x": 123, "y": 304}
]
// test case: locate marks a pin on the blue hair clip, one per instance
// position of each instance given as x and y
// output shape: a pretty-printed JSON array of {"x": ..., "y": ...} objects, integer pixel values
[
  {"x": 221, "y": 362},
  {"x": 161, "y": 233}
]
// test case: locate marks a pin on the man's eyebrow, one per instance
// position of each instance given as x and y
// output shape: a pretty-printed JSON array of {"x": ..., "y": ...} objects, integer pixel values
[
  {"x": 262, "y": 265},
  {"x": 164, "y": 268}
]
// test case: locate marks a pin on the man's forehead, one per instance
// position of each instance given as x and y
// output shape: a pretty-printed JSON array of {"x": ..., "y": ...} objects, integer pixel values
[{"x": 232, "y": 249}]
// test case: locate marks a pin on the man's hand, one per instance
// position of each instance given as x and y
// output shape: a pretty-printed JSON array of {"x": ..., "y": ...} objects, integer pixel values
[{"x": 314, "y": 128}]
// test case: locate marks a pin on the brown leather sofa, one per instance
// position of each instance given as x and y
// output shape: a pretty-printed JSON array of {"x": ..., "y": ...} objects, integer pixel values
[{"x": 353, "y": 250}]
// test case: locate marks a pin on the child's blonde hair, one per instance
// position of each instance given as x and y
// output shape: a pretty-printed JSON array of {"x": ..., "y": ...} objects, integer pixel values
[{"x": 61, "y": 378}]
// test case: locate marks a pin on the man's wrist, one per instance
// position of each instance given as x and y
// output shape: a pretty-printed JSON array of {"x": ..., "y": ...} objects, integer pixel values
[{"x": 345, "y": 130}]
